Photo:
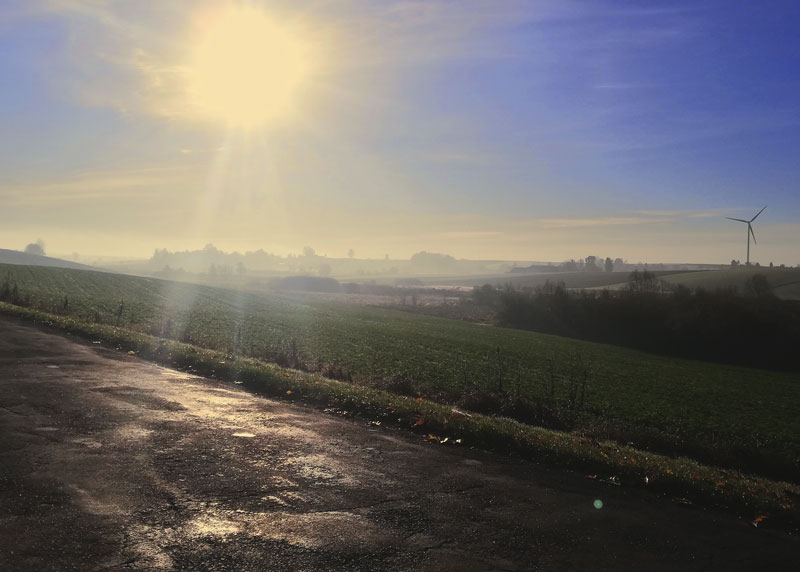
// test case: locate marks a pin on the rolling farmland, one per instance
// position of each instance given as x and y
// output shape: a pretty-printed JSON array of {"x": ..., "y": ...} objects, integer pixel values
[{"x": 697, "y": 406}]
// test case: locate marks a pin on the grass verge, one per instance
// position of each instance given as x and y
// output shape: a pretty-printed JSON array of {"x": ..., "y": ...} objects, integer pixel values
[{"x": 687, "y": 481}]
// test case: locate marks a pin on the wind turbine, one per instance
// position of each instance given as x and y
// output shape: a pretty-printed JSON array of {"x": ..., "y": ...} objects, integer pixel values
[{"x": 749, "y": 230}]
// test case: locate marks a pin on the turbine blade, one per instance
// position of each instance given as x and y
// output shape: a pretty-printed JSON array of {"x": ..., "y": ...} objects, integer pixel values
[
  {"x": 759, "y": 212},
  {"x": 751, "y": 232},
  {"x": 740, "y": 220}
]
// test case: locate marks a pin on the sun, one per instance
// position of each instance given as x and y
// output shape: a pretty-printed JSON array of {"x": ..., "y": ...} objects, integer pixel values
[{"x": 247, "y": 69}]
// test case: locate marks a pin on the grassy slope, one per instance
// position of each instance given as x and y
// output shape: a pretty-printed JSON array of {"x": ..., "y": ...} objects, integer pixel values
[{"x": 692, "y": 400}]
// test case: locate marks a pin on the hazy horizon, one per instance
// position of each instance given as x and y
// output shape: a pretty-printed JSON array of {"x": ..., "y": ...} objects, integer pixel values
[{"x": 541, "y": 131}]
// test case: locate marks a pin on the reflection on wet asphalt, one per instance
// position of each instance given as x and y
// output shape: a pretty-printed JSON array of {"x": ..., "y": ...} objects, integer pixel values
[{"x": 110, "y": 463}]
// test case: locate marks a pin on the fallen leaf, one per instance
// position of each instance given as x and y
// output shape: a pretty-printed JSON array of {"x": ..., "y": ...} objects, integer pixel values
[
  {"x": 684, "y": 501},
  {"x": 758, "y": 520},
  {"x": 432, "y": 439},
  {"x": 420, "y": 421},
  {"x": 591, "y": 476},
  {"x": 288, "y": 392}
]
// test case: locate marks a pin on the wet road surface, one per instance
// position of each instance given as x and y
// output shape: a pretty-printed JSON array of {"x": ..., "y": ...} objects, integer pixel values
[{"x": 111, "y": 463}]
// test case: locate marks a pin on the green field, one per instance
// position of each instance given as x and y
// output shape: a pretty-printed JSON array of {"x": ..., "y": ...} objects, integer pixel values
[
  {"x": 707, "y": 406},
  {"x": 576, "y": 280},
  {"x": 785, "y": 282}
]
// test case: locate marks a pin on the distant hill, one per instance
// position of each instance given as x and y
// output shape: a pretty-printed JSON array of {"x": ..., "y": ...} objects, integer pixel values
[{"x": 22, "y": 258}]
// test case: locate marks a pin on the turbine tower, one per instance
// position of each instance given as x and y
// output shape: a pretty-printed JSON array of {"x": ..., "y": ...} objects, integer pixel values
[{"x": 749, "y": 230}]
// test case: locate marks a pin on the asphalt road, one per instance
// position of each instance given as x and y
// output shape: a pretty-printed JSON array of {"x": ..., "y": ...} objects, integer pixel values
[{"x": 111, "y": 463}]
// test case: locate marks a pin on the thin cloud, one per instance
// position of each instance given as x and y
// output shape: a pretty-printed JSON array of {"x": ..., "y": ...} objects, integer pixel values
[
  {"x": 656, "y": 212},
  {"x": 95, "y": 185},
  {"x": 706, "y": 213},
  {"x": 472, "y": 234},
  {"x": 457, "y": 158},
  {"x": 425, "y": 32},
  {"x": 144, "y": 51},
  {"x": 597, "y": 221}
]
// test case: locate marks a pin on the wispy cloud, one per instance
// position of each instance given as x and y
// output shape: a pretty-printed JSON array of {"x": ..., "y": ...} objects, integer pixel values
[
  {"x": 406, "y": 32},
  {"x": 705, "y": 213},
  {"x": 656, "y": 212},
  {"x": 134, "y": 60},
  {"x": 598, "y": 221},
  {"x": 96, "y": 185},
  {"x": 468, "y": 234},
  {"x": 461, "y": 158}
]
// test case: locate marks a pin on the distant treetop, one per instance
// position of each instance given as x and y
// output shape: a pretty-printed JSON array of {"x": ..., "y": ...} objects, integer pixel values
[{"x": 36, "y": 248}]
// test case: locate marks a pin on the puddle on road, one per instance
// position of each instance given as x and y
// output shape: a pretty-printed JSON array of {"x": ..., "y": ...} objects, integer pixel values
[
  {"x": 52, "y": 367},
  {"x": 338, "y": 531},
  {"x": 278, "y": 482},
  {"x": 320, "y": 469},
  {"x": 86, "y": 442},
  {"x": 179, "y": 374},
  {"x": 46, "y": 429},
  {"x": 243, "y": 434},
  {"x": 133, "y": 432},
  {"x": 291, "y": 431},
  {"x": 206, "y": 525},
  {"x": 146, "y": 542},
  {"x": 91, "y": 503},
  {"x": 341, "y": 531}
]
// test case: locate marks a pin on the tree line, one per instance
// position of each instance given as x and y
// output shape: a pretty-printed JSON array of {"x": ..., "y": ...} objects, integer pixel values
[{"x": 756, "y": 329}]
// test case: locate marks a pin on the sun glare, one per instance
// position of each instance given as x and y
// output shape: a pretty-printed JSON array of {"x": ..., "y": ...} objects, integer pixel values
[{"x": 247, "y": 68}]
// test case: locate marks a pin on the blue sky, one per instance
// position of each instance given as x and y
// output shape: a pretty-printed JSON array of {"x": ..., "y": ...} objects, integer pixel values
[{"x": 515, "y": 130}]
